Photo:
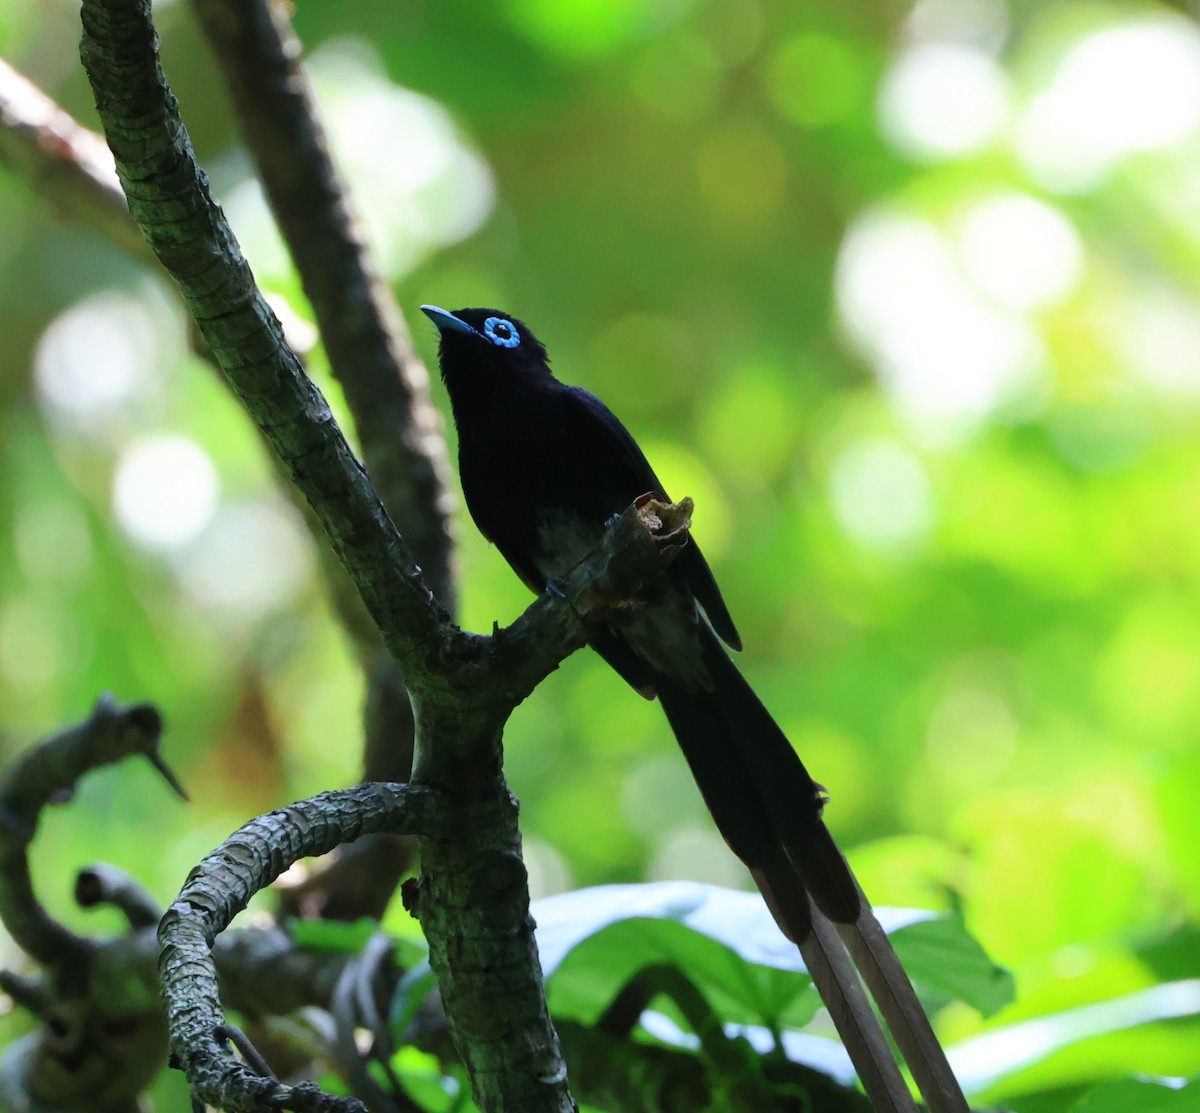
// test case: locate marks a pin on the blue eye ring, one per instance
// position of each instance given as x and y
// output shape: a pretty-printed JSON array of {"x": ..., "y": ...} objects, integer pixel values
[{"x": 501, "y": 332}]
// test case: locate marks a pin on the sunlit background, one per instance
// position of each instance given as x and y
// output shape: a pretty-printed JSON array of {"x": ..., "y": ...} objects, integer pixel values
[{"x": 907, "y": 298}]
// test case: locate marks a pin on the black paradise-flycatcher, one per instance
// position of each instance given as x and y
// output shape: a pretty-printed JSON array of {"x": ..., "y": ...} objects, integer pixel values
[{"x": 544, "y": 467}]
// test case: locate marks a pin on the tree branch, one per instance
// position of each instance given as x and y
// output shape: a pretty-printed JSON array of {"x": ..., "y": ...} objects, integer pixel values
[
  {"x": 473, "y": 898},
  {"x": 36, "y": 779},
  {"x": 102, "y": 1034},
  {"x": 370, "y": 353},
  {"x": 170, "y": 200},
  {"x": 65, "y": 163},
  {"x": 220, "y": 887}
]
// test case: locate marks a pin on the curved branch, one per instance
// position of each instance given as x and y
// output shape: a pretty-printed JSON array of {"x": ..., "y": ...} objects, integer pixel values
[
  {"x": 46, "y": 772},
  {"x": 220, "y": 887}
]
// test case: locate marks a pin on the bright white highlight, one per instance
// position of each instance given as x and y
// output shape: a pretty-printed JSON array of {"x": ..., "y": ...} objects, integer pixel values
[
  {"x": 1024, "y": 253},
  {"x": 1157, "y": 334},
  {"x": 983, "y": 1060},
  {"x": 251, "y": 560},
  {"x": 1131, "y": 87},
  {"x": 416, "y": 183},
  {"x": 947, "y": 356},
  {"x": 164, "y": 491},
  {"x": 881, "y": 495},
  {"x": 979, "y": 23},
  {"x": 942, "y": 100},
  {"x": 93, "y": 358}
]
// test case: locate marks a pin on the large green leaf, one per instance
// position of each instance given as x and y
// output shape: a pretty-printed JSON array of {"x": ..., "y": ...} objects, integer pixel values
[
  {"x": 947, "y": 964},
  {"x": 593, "y": 941}
]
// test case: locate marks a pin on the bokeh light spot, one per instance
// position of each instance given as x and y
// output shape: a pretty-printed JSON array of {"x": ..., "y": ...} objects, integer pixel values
[
  {"x": 164, "y": 491},
  {"x": 36, "y": 644},
  {"x": 881, "y": 495},
  {"x": 947, "y": 357},
  {"x": 943, "y": 100},
  {"x": 1023, "y": 252},
  {"x": 748, "y": 425},
  {"x": 696, "y": 854},
  {"x": 94, "y": 357},
  {"x": 1157, "y": 332},
  {"x": 815, "y": 80},
  {"x": 252, "y": 559},
  {"x": 54, "y": 542},
  {"x": 1130, "y": 87},
  {"x": 676, "y": 76},
  {"x": 979, "y": 23},
  {"x": 742, "y": 174},
  {"x": 589, "y": 29},
  {"x": 415, "y": 181}
]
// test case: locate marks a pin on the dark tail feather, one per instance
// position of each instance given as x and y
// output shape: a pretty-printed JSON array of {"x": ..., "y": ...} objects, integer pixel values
[
  {"x": 744, "y": 763},
  {"x": 768, "y": 809},
  {"x": 838, "y": 984},
  {"x": 872, "y": 952}
]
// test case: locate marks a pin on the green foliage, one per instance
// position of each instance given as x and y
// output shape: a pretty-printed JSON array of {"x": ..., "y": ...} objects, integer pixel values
[
  {"x": 925, "y": 355},
  {"x": 594, "y": 941}
]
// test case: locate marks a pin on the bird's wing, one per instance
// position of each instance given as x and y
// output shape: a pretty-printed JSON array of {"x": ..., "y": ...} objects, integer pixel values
[{"x": 602, "y": 437}]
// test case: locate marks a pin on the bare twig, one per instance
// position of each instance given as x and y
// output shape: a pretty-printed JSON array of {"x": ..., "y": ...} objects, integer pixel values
[{"x": 106, "y": 884}]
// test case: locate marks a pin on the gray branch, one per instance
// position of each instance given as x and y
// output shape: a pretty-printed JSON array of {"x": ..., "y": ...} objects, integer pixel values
[
  {"x": 38, "y": 778},
  {"x": 473, "y": 899},
  {"x": 220, "y": 887},
  {"x": 102, "y": 1032},
  {"x": 370, "y": 353}
]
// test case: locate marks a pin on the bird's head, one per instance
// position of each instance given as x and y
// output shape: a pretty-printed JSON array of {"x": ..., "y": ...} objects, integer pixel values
[{"x": 484, "y": 342}]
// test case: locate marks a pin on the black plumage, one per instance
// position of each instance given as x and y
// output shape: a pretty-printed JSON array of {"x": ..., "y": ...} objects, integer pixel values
[{"x": 544, "y": 466}]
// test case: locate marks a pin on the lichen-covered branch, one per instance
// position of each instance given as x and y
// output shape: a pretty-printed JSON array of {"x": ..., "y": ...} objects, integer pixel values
[
  {"x": 29, "y": 784},
  {"x": 220, "y": 886},
  {"x": 370, "y": 354},
  {"x": 102, "y": 1034},
  {"x": 473, "y": 898}
]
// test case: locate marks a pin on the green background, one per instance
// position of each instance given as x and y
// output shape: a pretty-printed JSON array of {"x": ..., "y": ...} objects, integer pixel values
[{"x": 906, "y": 299}]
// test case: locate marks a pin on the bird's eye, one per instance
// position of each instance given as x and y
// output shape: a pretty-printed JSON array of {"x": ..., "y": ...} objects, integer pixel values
[{"x": 499, "y": 331}]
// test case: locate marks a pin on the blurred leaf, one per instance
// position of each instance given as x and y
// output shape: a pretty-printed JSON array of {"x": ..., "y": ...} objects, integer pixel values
[
  {"x": 985, "y": 1060},
  {"x": 1140, "y": 1096},
  {"x": 332, "y": 936},
  {"x": 593, "y": 941},
  {"x": 421, "y": 1076}
]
